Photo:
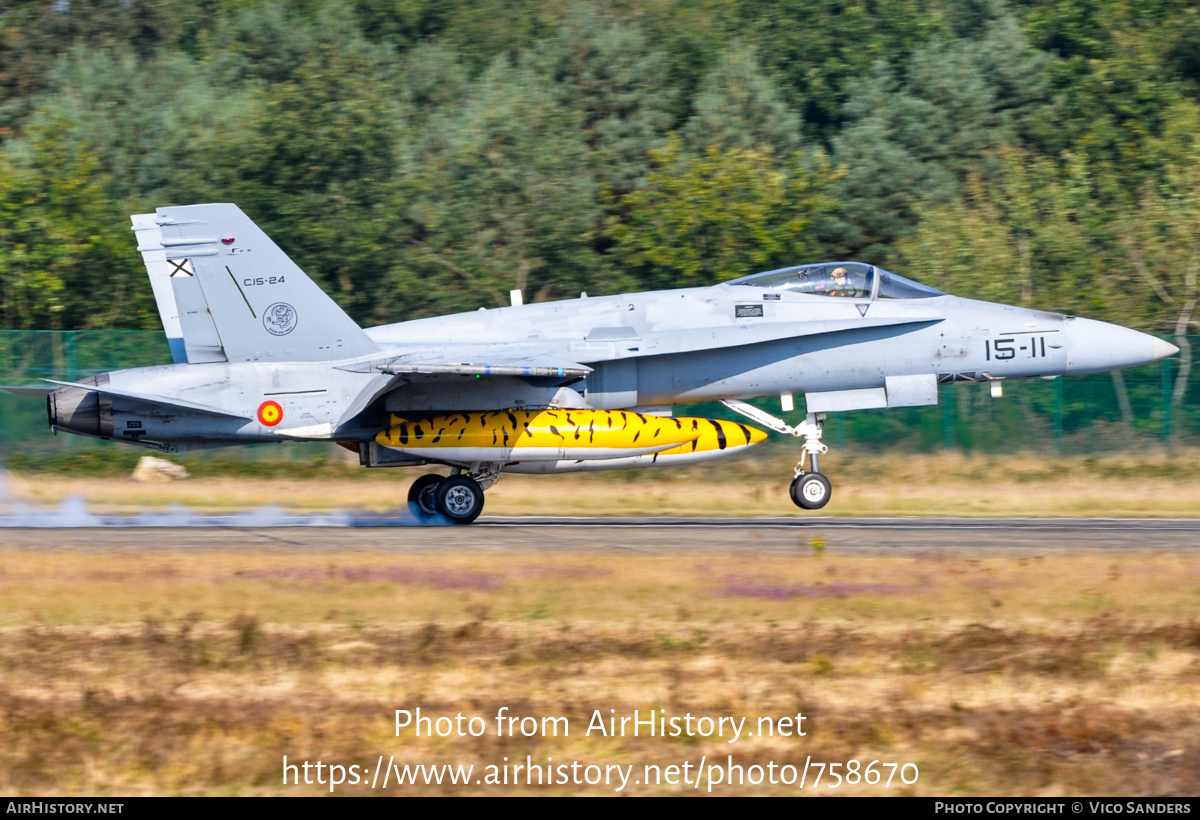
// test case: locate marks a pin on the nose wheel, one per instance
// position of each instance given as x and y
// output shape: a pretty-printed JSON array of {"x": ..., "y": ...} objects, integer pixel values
[{"x": 810, "y": 490}]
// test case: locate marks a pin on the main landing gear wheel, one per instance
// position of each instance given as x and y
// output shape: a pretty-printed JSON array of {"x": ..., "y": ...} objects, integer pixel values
[
  {"x": 422, "y": 495},
  {"x": 811, "y": 491},
  {"x": 459, "y": 498}
]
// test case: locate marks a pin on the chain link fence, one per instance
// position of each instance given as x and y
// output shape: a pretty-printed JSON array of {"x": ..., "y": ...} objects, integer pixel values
[
  {"x": 27, "y": 356},
  {"x": 1105, "y": 412}
]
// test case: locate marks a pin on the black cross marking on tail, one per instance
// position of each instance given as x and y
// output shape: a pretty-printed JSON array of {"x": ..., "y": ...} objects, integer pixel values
[{"x": 180, "y": 267}]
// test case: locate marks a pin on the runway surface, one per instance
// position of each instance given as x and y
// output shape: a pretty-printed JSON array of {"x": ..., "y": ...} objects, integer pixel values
[{"x": 644, "y": 535}]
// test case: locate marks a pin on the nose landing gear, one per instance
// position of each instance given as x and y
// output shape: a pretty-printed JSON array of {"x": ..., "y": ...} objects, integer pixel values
[{"x": 810, "y": 490}]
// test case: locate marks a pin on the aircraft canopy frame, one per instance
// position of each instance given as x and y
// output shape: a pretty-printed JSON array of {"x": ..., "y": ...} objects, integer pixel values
[{"x": 855, "y": 280}]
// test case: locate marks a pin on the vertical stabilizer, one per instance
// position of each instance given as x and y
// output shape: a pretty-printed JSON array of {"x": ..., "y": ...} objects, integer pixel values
[
  {"x": 233, "y": 295},
  {"x": 154, "y": 256}
]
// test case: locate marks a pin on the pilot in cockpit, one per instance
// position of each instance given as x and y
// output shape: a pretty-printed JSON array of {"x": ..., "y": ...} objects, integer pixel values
[
  {"x": 821, "y": 280},
  {"x": 840, "y": 285}
]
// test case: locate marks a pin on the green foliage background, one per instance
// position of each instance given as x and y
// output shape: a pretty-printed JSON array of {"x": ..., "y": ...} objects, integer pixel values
[{"x": 424, "y": 156}]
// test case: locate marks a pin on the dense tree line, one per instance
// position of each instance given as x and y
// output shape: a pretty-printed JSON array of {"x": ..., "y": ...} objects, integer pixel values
[{"x": 423, "y": 156}]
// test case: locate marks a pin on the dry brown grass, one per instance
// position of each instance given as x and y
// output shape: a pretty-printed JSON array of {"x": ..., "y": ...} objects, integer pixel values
[
  {"x": 196, "y": 672},
  {"x": 1152, "y": 484}
]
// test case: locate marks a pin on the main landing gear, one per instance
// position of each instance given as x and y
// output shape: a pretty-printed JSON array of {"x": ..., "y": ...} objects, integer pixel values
[
  {"x": 422, "y": 495},
  {"x": 457, "y": 497},
  {"x": 810, "y": 490}
]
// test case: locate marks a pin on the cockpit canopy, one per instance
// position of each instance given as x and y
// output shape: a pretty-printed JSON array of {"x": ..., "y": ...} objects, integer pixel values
[{"x": 852, "y": 279}]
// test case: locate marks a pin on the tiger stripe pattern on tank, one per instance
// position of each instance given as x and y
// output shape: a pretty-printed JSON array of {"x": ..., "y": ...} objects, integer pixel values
[
  {"x": 715, "y": 434},
  {"x": 575, "y": 429}
]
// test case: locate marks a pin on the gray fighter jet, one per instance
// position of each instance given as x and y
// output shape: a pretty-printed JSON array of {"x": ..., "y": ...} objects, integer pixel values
[{"x": 262, "y": 354}]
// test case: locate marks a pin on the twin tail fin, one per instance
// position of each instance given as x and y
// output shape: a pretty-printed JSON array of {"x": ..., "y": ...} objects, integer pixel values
[{"x": 227, "y": 293}]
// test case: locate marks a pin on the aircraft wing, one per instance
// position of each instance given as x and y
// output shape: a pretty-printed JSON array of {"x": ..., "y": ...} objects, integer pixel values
[
  {"x": 541, "y": 366},
  {"x": 519, "y": 360},
  {"x": 180, "y": 404},
  {"x": 476, "y": 360}
]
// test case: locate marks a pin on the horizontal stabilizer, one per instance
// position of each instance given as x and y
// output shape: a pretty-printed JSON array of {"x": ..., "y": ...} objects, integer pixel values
[
  {"x": 181, "y": 404},
  {"x": 35, "y": 392}
]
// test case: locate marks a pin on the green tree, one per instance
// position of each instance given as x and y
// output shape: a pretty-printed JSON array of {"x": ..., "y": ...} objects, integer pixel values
[
  {"x": 151, "y": 123},
  {"x": 1123, "y": 67},
  {"x": 1161, "y": 239},
  {"x": 314, "y": 162},
  {"x": 497, "y": 195},
  {"x": 33, "y": 35},
  {"x": 739, "y": 106},
  {"x": 701, "y": 219},
  {"x": 66, "y": 259},
  {"x": 914, "y": 138},
  {"x": 820, "y": 48},
  {"x": 617, "y": 83},
  {"x": 433, "y": 78},
  {"x": 1026, "y": 234}
]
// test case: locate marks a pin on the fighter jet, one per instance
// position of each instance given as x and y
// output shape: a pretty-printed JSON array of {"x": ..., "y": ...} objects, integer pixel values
[{"x": 261, "y": 354}]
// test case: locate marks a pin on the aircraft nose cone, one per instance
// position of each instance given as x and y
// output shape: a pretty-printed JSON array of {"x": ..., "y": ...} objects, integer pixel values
[
  {"x": 1093, "y": 347},
  {"x": 1163, "y": 349}
]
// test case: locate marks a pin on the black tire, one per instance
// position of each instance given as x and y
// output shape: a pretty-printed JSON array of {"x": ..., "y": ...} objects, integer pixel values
[
  {"x": 460, "y": 498},
  {"x": 422, "y": 495},
  {"x": 811, "y": 491}
]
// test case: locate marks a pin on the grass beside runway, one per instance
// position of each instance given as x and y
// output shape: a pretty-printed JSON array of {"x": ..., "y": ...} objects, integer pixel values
[
  {"x": 170, "y": 672},
  {"x": 1151, "y": 484}
]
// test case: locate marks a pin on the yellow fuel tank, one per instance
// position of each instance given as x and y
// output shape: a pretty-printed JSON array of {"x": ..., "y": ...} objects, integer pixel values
[
  {"x": 551, "y": 435},
  {"x": 716, "y": 434},
  {"x": 716, "y": 438}
]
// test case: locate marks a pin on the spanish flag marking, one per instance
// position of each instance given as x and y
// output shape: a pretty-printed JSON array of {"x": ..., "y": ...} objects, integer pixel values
[{"x": 270, "y": 413}]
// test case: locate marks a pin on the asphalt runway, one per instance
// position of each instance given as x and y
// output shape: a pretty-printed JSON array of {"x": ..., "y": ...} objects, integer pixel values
[{"x": 638, "y": 535}]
